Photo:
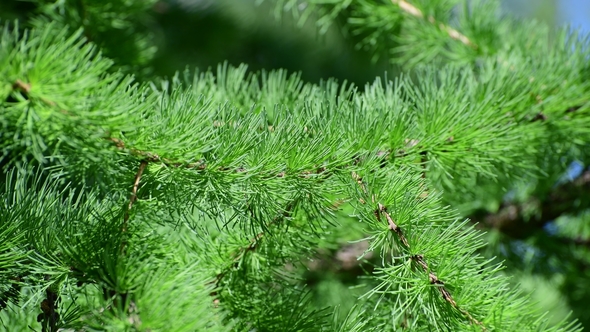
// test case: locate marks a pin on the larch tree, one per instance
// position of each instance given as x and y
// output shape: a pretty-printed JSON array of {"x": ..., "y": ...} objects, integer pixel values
[{"x": 237, "y": 200}]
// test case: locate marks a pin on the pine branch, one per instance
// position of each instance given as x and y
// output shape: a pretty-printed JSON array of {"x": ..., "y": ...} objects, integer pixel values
[
  {"x": 259, "y": 183},
  {"x": 420, "y": 260},
  {"x": 242, "y": 251},
  {"x": 417, "y": 259}
]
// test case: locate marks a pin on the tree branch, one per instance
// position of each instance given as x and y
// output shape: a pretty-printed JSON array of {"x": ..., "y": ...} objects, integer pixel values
[
  {"x": 252, "y": 246},
  {"x": 513, "y": 220},
  {"x": 418, "y": 259},
  {"x": 414, "y": 11},
  {"x": 421, "y": 261}
]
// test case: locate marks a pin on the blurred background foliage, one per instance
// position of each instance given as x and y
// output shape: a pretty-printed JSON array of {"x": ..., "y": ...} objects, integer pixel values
[{"x": 169, "y": 36}]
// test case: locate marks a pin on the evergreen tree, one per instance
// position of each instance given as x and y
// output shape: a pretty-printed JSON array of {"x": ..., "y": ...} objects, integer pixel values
[{"x": 236, "y": 200}]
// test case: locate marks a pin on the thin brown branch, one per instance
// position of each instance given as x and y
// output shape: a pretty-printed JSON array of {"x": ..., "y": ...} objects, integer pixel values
[
  {"x": 516, "y": 219},
  {"x": 132, "y": 200},
  {"x": 201, "y": 165},
  {"x": 416, "y": 12},
  {"x": 146, "y": 155},
  {"x": 421, "y": 261},
  {"x": 49, "y": 316},
  {"x": 22, "y": 86},
  {"x": 359, "y": 181},
  {"x": 133, "y": 197},
  {"x": 393, "y": 226},
  {"x": 250, "y": 247},
  {"x": 25, "y": 88}
]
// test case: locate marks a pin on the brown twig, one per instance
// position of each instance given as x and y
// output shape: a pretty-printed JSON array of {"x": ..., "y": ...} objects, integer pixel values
[
  {"x": 516, "y": 219},
  {"x": 22, "y": 86},
  {"x": 359, "y": 181},
  {"x": 252, "y": 246},
  {"x": 133, "y": 197},
  {"x": 414, "y": 11},
  {"x": 393, "y": 226},
  {"x": 25, "y": 88},
  {"x": 49, "y": 316},
  {"x": 132, "y": 200},
  {"x": 421, "y": 261},
  {"x": 202, "y": 165}
]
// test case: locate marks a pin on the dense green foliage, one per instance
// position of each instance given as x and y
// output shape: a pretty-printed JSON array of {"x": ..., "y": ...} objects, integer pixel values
[{"x": 255, "y": 201}]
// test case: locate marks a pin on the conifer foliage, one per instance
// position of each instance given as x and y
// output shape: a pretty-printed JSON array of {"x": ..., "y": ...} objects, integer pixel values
[{"x": 202, "y": 202}]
